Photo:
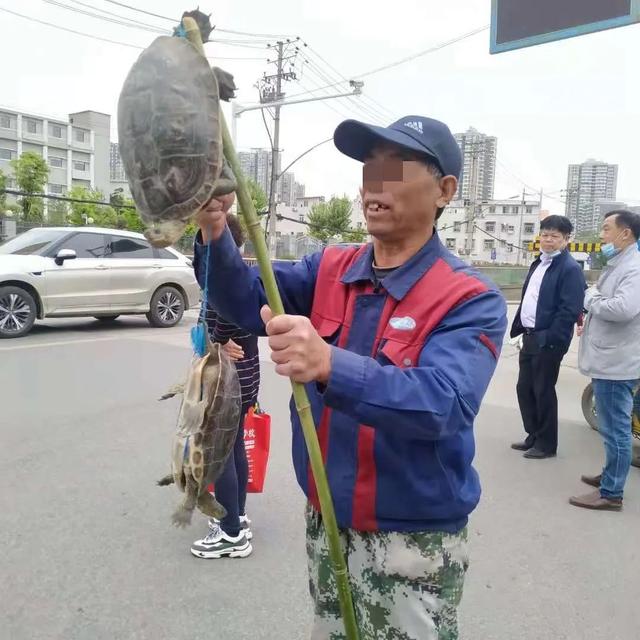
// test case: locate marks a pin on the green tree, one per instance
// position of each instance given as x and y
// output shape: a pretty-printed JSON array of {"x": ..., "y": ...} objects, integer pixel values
[
  {"x": 259, "y": 199},
  {"x": 355, "y": 235},
  {"x": 3, "y": 195},
  {"x": 102, "y": 215},
  {"x": 331, "y": 220},
  {"x": 31, "y": 173},
  {"x": 57, "y": 212}
]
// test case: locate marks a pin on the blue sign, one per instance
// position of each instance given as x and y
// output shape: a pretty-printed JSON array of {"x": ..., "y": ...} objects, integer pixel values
[
  {"x": 516, "y": 24},
  {"x": 494, "y": 254}
]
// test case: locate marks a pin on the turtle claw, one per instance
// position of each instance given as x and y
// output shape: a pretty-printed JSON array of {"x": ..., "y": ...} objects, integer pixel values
[
  {"x": 173, "y": 391},
  {"x": 164, "y": 234}
]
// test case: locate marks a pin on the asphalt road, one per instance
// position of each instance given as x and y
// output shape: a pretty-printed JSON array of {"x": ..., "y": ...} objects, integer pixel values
[{"x": 88, "y": 552}]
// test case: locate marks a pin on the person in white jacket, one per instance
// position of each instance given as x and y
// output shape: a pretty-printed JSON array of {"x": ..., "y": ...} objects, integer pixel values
[{"x": 610, "y": 355}]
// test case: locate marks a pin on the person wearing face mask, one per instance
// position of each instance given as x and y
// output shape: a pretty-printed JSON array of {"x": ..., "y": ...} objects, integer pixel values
[
  {"x": 396, "y": 342},
  {"x": 610, "y": 355},
  {"x": 551, "y": 305}
]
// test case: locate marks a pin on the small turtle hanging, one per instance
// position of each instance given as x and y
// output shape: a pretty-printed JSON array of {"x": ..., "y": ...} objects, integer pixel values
[
  {"x": 207, "y": 426},
  {"x": 169, "y": 131}
]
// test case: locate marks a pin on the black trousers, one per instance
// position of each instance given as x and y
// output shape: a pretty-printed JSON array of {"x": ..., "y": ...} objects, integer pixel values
[{"x": 539, "y": 369}]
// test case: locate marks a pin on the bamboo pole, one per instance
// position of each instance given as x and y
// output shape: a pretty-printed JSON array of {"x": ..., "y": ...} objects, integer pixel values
[{"x": 299, "y": 393}]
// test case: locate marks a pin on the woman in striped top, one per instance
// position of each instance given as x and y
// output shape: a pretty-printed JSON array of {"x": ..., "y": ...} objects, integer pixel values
[{"x": 231, "y": 537}]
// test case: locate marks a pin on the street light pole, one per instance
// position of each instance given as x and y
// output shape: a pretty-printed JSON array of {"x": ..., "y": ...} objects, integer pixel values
[{"x": 237, "y": 110}]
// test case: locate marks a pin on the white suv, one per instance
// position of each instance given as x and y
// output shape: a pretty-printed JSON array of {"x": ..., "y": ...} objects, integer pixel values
[{"x": 58, "y": 272}]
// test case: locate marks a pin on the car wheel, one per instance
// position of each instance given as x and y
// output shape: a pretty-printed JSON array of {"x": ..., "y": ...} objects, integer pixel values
[
  {"x": 589, "y": 407},
  {"x": 17, "y": 312},
  {"x": 167, "y": 307},
  {"x": 107, "y": 318}
]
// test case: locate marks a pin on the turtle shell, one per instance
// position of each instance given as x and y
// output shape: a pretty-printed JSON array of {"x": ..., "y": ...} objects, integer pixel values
[{"x": 170, "y": 135}]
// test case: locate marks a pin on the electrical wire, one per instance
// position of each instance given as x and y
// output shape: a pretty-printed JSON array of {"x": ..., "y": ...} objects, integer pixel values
[
  {"x": 101, "y": 39},
  {"x": 177, "y": 20}
]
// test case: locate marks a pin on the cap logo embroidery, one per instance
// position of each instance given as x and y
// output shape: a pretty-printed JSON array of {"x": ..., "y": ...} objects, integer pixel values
[{"x": 415, "y": 125}]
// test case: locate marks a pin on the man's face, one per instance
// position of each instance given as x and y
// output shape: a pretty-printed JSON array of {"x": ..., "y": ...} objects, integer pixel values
[
  {"x": 611, "y": 232},
  {"x": 220, "y": 203},
  {"x": 552, "y": 240},
  {"x": 400, "y": 197}
]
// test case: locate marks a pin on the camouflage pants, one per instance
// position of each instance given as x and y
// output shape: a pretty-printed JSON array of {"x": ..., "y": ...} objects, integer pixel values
[{"x": 405, "y": 586}]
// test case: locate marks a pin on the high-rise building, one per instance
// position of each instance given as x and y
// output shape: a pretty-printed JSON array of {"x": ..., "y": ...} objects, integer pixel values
[
  {"x": 286, "y": 189},
  {"x": 588, "y": 183},
  {"x": 478, "y": 174},
  {"x": 115, "y": 164},
  {"x": 256, "y": 165},
  {"x": 299, "y": 190}
]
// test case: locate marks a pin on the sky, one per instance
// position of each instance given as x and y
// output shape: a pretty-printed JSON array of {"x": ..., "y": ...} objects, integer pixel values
[{"x": 549, "y": 105}]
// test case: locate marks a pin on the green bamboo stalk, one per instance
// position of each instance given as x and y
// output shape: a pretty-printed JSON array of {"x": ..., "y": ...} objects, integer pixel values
[{"x": 299, "y": 392}]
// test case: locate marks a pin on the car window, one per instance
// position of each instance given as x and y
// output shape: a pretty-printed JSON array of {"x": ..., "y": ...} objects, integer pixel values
[
  {"x": 86, "y": 245},
  {"x": 163, "y": 254},
  {"x": 123, "y": 247},
  {"x": 32, "y": 241}
]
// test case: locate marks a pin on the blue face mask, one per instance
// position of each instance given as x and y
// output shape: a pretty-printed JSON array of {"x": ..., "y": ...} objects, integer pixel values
[
  {"x": 609, "y": 250},
  {"x": 551, "y": 254}
]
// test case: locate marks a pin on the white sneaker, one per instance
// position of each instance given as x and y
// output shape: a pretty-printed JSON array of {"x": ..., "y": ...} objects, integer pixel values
[
  {"x": 220, "y": 545},
  {"x": 245, "y": 526}
]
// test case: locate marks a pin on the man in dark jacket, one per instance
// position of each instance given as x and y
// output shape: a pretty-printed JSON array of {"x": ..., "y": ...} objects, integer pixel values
[{"x": 552, "y": 299}]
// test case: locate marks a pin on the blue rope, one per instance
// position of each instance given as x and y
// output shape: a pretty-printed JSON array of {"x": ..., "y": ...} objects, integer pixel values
[{"x": 199, "y": 332}]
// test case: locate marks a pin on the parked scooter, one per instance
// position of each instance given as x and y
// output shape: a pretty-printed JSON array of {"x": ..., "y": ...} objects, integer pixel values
[{"x": 591, "y": 416}]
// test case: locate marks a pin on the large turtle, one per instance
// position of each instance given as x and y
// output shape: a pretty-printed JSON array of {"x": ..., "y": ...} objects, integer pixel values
[
  {"x": 170, "y": 136},
  {"x": 207, "y": 426}
]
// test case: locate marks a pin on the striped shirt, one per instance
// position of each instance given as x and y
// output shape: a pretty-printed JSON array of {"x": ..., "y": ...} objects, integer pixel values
[{"x": 249, "y": 367}]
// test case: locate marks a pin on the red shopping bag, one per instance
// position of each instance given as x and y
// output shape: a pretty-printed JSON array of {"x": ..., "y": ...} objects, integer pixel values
[{"x": 257, "y": 437}]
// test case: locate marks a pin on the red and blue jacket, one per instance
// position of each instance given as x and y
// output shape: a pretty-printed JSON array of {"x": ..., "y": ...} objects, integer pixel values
[{"x": 412, "y": 359}]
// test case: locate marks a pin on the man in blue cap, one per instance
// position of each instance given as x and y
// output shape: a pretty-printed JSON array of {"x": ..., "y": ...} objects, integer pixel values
[{"x": 396, "y": 342}]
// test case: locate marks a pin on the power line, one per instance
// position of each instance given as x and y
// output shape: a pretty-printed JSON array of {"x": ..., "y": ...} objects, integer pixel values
[
  {"x": 100, "y": 38},
  {"x": 378, "y": 105},
  {"x": 414, "y": 56},
  {"x": 177, "y": 20},
  {"x": 110, "y": 13},
  {"x": 26, "y": 194}
]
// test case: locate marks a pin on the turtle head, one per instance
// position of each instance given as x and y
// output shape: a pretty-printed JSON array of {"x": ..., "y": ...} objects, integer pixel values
[
  {"x": 202, "y": 20},
  {"x": 165, "y": 233}
]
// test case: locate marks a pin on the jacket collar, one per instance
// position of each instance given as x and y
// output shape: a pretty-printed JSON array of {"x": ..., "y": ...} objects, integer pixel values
[
  {"x": 399, "y": 282},
  {"x": 632, "y": 248}
]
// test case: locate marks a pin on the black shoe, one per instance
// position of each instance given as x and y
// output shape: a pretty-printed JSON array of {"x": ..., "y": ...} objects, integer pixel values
[
  {"x": 536, "y": 454},
  {"x": 521, "y": 446}
]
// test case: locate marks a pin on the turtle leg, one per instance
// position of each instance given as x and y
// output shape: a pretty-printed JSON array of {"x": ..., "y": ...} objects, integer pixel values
[
  {"x": 173, "y": 391},
  {"x": 210, "y": 506},
  {"x": 226, "y": 182},
  {"x": 182, "y": 515},
  {"x": 165, "y": 481}
]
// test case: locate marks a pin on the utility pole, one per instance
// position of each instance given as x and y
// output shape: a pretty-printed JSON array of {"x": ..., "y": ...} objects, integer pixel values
[
  {"x": 520, "y": 251},
  {"x": 471, "y": 203},
  {"x": 270, "y": 93}
]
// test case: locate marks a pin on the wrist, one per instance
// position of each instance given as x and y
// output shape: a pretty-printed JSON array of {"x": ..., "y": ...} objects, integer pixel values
[{"x": 325, "y": 368}]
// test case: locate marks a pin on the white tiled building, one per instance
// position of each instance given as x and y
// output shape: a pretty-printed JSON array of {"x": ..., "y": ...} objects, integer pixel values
[
  {"x": 494, "y": 233},
  {"x": 76, "y": 150}
]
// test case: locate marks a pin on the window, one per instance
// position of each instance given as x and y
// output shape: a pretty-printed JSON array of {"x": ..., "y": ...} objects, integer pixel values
[
  {"x": 5, "y": 122},
  {"x": 301, "y": 217},
  {"x": 56, "y": 131},
  {"x": 163, "y": 254},
  {"x": 504, "y": 227},
  {"x": 359, "y": 225},
  {"x": 31, "y": 242},
  {"x": 80, "y": 135},
  {"x": 489, "y": 244},
  {"x": 121, "y": 247},
  {"x": 457, "y": 226},
  {"x": 32, "y": 126},
  {"x": 79, "y": 165},
  {"x": 492, "y": 209},
  {"x": 55, "y": 161},
  {"x": 528, "y": 227},
  {"x": 529, "y": 209},
  {"x": 451, "y": 243},
  {"x": 6, "y": 154},
  {"x": 511, "y": 228},
  {"x": 489, "y": 226},
  {"x": 86, "y": 245},
  {"x": 56, "y": 188}
]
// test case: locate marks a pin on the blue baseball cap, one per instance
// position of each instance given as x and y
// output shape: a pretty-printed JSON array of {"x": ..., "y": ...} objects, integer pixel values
[{"x": 425, "y": 136}]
